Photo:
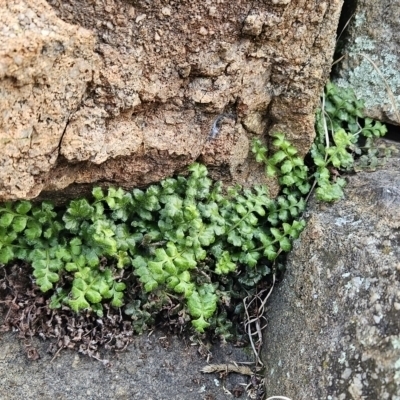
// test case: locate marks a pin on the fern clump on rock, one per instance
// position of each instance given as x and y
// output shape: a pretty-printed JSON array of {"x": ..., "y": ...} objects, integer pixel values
[
  {"x": 186, "y": 244},
  {"x": 182, "y": 237}
]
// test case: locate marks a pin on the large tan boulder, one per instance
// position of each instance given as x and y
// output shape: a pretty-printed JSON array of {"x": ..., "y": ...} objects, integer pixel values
[
  {"x": 46, "y": 66},
  {"x": 127, "y": 93}
]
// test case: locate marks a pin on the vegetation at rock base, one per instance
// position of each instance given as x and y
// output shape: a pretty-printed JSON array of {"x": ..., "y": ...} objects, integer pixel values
[
  {"x": 182, "y": 239},
  {"x": 185, "y": 245}
]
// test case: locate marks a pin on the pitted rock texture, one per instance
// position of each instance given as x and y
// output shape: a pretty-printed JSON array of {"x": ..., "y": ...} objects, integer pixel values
[
  {"x": 154, "y": 367},
  {"x": 372, "y": 62},
  {"x": 46, "y": 66},
  {"x": 126, "y": 92},
  {"x": 334, "y": 322}
]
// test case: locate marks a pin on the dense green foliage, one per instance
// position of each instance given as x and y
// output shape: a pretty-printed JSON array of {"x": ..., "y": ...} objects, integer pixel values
[
  {"x": 178, "y": 237},
  {"x": 184, "y": 244},
  {"x": 284, "y": 163}
]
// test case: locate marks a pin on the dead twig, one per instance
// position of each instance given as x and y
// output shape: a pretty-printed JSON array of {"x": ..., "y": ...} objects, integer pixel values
[
  {"x": 344, "y": 28},
  {"x": 238, "y": 369},
  {"x": 252, "y": 323}
]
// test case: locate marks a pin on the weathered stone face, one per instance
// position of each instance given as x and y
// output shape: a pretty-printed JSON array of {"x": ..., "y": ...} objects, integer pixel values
[
  {"x": 45, "y": 68},
  {"x": 334, "y": 322},
  {"x": 126, "y": 92},
  {"x": 372, "y": 63}
]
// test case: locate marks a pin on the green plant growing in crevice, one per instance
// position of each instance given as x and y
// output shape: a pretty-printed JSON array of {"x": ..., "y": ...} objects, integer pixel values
[
  {"x": 184, "y": 239},
  {"x": 185, "y": 245},
  {"x": 345, "y": 141},
  {"x": 284, "y": 163}
]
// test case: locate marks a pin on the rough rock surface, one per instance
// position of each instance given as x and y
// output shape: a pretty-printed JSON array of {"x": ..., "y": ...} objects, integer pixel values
[
  {"x": 46, "y": 66},
  {"x": 126, "y": 92},
  {"x": 158, "y": 367},
  {"x": 372, "y": 62},
  {"x": 334, "y": 322}
]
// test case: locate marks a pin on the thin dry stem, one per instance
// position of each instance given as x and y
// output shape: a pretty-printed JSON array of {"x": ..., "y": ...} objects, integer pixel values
[
  {"x": 239, "y": 369},
  {"x": 338, "y": 60},
  {"x": 325, "y": 125},
  {"x": 345, "y": 26},
  {"x": 252, "y": 323}
]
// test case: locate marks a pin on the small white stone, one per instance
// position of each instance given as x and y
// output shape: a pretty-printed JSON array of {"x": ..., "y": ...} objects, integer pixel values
[
  {"x": 18, "y": 60},
  {"x": 396, "y": 342},
  {"x": 374, "y": 297},
  {"x": 377, "y": 319},
  {"x": 166, "y": 11},
  {"x": 346, "y": 373},
  {"x": 202, "y": 389},
  {"x": 140, "y": 18},
  {"x": 203, "y": 31}
]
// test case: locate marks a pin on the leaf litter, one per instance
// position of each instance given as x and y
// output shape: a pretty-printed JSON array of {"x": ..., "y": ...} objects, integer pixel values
[{"x": 25, "y": 309}]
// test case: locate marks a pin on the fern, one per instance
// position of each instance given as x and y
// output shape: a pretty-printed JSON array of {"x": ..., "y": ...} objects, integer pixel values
[
  {"x": 340, "y": 129},
  {"x": 164, "y": 234},
  {"x": 184, "y": 240}
]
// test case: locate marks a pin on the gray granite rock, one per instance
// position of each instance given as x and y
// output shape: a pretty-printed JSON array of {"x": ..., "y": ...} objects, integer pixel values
[
  {"x": 372, "y": 62},
  {"x": 159, "y": 367},
  {"x": 334, "y": 322}
]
